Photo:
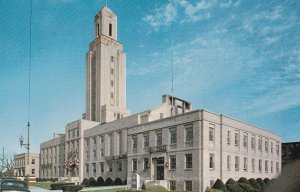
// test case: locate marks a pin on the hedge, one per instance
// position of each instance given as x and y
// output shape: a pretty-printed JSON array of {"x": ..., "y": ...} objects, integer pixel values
[
  {"x": 261, "y": 183},
  {"x": 85, "y": 182},
  {"x": 219, "y": 185},
  {"x": 100, "y": 181},
  {"x": 233, "y": 188},
  {"x": 72, "y": 188},
  {"x": 108, "y": 182},
  {"x": 266, "y": 181},
  {"x": 92, "y": 182},
  {"x": 246, "y": 187},
  {"x": 243, "y": 180},
  {"x": 231, "y": 181},
  {"x": 118, "y": 181},
  {"x": 59, "y": 186},
  {"x": 255, "y": 185}
]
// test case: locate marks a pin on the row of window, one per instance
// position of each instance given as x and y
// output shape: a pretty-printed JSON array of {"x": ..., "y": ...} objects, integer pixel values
[
  {"x": 188, "y": 185},
  {"x": 245, "y": 165},
  {"x": 72, "y": 133},
  {"x": 253, "y": 142},
  {"x": 101, "y": 167}
]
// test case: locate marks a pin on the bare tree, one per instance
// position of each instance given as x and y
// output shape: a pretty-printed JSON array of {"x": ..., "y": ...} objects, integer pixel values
[{"x": 6, "y": 163}]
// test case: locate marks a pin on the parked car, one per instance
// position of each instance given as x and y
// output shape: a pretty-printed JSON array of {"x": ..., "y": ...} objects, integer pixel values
[{"x": 10, "y": 185}]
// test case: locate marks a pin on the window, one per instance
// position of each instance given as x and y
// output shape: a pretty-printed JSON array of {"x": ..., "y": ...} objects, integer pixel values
[
  {"x": 111, "y": 95},
  {"x": 211, "y": 134},
  {"x": 102, "y": 139},
  {"x": 228, "y": 137},
  {"x": 87, "y": 154},
  {"x": 259, "y": 165},
  {"x": 173, "y": 135},
  {"x": 158, "y": 138},
  {"x": 236, "y": 139},
  {"x": 260, "y": 144},
  {"x": 134, "y": 164},
  {"x": 172, "y": 185},
  {"x": 245, "y": 163},
  {"x": 95, "y": 141},
  {"x": 120, "y": 166},
  {"x": 245, "y": 141},
  {"x": 134, "y": 143},
  {"x": 146, "y": 140},
  {"x": 188, "y": 186},
  {"x": 146, "y": 163},
  {"x": 172, "y": 162},
  {"x": 111, "y": 71},
  {"x": 188, "y": 161},
  {"x": 189, "y": 136},
  {"x": 33, "y": 171},
  {"x": 271, "y": 166},
  {"x": 266, "y": 166},
  {"x": 112, "y": 83},
  {"x": 87, "y": 168},
  {"x": 271, "y": 148},
  {"x": 277, "y": 167},
  {"x": 102, "y": 167},
  {"x": 94, "y": 168},
  {"x": 237, "y": 163},
  {"x": 110, "y": 168},
  {"x": 32, "y": 161},
  {"x": 94, "y": 154},
  {"x": 253, "y": 165},
  {"x": 277, "y": 150},
  {"x": 266, "y": 146},
  {"x": 87, "y": 143},
  {"x": 112, "y": 58},
  {"x": 110, "y": 29},
  {"x": 101, "y": 153},
  {"x": 252, "y": 142},
  {"x": 120, "y": 142},
  {"x": 211, "y": 161},
  {"x": 111, "y": 143},
  {"x": 228, "y": 162},
  {"x": 77, "y": 132}
]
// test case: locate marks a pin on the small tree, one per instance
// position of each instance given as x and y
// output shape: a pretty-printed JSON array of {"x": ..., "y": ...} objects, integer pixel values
[
  {"x": 267, "y": 181},
  {"x": 118, "y": 181},
  {"x": 233, "y": 188},
  {"x": 143, "y": 187},
  {"x": 243, "y": 180},
  {"x": 261, "y": 183},
  {"x": 92, "y": 182},
  {"x": 85, "y": 182},
  {"x": 219, "y": 185},
  {"x": 231, "y": 181},
  {"x": 108, "y": 182},
  {"x": 254, "y": 184},
  {"x": 100, "y": 181}
]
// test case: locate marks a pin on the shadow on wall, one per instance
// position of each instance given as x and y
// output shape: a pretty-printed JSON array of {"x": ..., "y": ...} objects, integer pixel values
[{"x": 289, "y": 179}]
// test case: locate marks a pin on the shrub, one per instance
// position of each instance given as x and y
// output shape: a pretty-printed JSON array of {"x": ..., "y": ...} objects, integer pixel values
[
  {"x": 108, "y": 182},
  {"x": 234, "y": 188},
  {"x": 125, "y": 182},
  {"x": 92, "y": 182},
  {"x": 118, "y": 181},
  {"x": 215, "y": 190},
  {"x": 246, "y": 187},
  {"x": 72, "y": 188},
  {"x": 266, "y": 181},
  {"x": 231, "y": 181},
  {"x": 143, "y": 187},
  {"x": 219, "y": 185},
  {"x": 85, "y": 182},
  {"x": 59, "y": 186},
  {"x": 243, "y": 180},
  {"x": 100, "y": 181},
  {"x": 261, "y": 183},
  {"x": 254, "y": 184}
]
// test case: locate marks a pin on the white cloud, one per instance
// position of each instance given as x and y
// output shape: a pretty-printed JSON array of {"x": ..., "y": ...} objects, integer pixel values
[
  {"x": 271, "y": 40},
  {"x": 196, "y": 12}
]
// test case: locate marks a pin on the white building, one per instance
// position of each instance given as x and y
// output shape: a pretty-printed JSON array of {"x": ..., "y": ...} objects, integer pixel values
[
  {"x": 171, "y": 145},
  {"x": 24, "y": 166}
]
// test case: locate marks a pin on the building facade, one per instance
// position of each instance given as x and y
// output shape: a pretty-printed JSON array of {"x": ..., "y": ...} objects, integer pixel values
[
  {"x": 24, "y": 166},
  {"x": 172, "y": 144},
  {"x": 290, "y": 152}
]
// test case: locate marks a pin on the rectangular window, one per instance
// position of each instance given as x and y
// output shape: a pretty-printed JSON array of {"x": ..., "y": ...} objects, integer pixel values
[
  {"x": 211, "y": 161},
  {"x": 245, "y": 141},
  {"x": 266, "y": 166},
  {"x": 120, "y": 142},
  {"x": 252, "y": 142},
  {"x": 101, "y": 153},
  {"x": 111, "y": 71},
  {"x": 189, "y": 136},
  {"x": 189, "y": 161},
  {"x": 271, "y": 166},
  {"x": 101, "y": 139},
  {"x": 237, "y": 163},
  {"x": 228, "y": 162},
  {"x": 236, "y": 139},
  {"x": 173, "y": 136},
  {"x": 102, "y": 167},
  {"x": 211, "y": 134},
  {"x": 33, "y": 171},
  {"x": 172, "y": 185},
  {"x": 110, "y": 29},
  {"x": 110, "y": 169},
  {"x": 120, "y": 166},
  {"x": 277, "y": 150},
  {"x": 134, "y": 143},
  {"x": 111, "y": 95},
  {"x": 94, "y": 168},
  {"x": 228, "y": 137},
  {"x": 32, "y": 161},
  {"x": 172, "y": 162},
  {"x": 260, "y": 144},
  {"x": 266, "y": 146},
  {"x": 146, "y": 140},
  {"x": 277, "y": 167},
  {"x": 245, "y": 163},
  {"x": 111, "y": 143},
  {"x": 158, "y": 138},
  {"x": 134, "y": 165},
  {"x": 112, "y": 83},
  {"x": 271, "y": 148},
  {"x": 87, "y": 168},
  {"x": 259, "y": 165},
  {"x": 95, "y": 141},
  {"x": 94, "y": 154},
  {"x": 146, "y": 163},
  {"x": 188, "y": 186},
  {"x": 253, "y": 165}
]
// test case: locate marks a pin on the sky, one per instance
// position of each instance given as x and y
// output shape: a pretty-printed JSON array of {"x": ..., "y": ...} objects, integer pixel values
[{"x": 232, "y": 57}]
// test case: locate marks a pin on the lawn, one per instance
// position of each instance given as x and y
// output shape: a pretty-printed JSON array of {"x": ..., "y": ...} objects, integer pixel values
[{"x": 44, "y": 185}]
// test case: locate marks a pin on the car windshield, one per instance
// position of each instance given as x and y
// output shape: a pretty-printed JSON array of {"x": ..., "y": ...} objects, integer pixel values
[{"x": 12, "y": 184}]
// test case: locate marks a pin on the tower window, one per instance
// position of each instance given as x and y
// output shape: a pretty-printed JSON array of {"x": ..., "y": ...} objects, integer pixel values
[
  {"x": 98, "y": 30},
  {"x": 110, "y": 29}
]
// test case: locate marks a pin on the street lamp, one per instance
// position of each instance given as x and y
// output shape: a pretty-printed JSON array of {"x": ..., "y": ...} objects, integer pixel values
[{"x": 26, "y": 146}]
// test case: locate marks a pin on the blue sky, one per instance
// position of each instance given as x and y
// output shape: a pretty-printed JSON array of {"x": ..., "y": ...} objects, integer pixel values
[{"x": 238, "y": 58}]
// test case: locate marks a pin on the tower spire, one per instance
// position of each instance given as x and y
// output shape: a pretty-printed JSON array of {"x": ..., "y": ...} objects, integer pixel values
[{"x": 106, "y": 3}]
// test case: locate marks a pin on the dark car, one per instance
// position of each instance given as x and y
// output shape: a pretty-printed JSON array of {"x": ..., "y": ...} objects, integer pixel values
[{"x": 13, "y": 185}]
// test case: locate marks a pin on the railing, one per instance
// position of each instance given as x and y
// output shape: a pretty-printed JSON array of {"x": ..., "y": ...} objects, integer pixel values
[{"x": 160, "y": 148}]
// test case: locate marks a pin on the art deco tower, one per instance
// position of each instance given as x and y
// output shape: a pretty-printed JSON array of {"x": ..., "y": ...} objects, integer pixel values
[{"x": 106, "y": 72}]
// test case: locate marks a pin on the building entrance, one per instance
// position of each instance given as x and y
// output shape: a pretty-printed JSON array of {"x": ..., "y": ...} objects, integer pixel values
[{"x": 160, "y": 168}]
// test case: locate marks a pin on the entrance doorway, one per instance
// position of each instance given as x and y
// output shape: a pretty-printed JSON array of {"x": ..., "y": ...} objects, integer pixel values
[{"x": 160, "y": 168}]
